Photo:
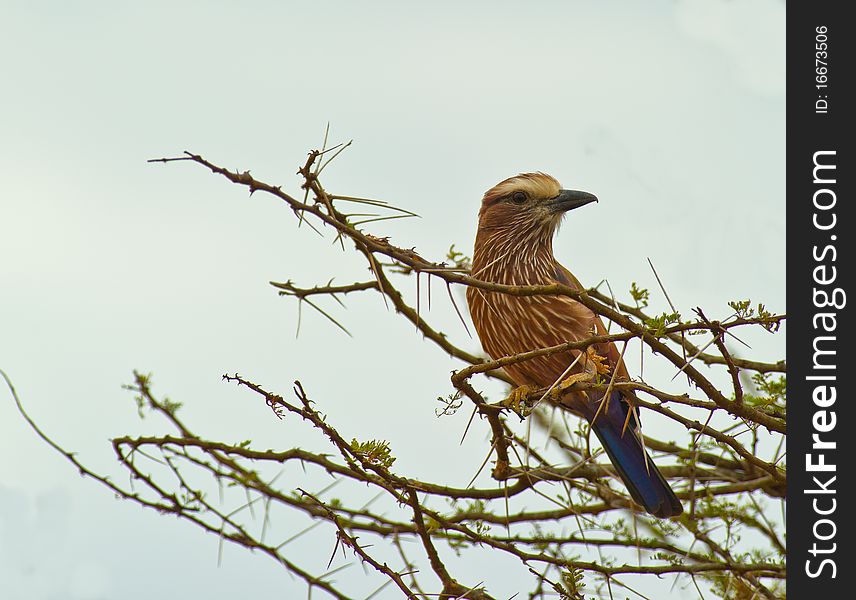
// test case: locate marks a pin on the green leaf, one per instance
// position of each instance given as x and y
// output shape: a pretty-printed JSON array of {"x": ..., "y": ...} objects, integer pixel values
[{"x": 376, "y": 452}]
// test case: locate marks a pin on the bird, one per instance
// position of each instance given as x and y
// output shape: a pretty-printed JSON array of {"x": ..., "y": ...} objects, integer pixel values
[{"x": 518, "y": 219}]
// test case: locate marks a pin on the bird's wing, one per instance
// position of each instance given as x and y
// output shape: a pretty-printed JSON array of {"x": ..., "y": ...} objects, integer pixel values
[
  {"x": 609, "y": 350},
  {"x": 567, "y": 278}
]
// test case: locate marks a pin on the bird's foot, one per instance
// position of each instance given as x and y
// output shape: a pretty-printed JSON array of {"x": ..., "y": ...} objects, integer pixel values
[
  {"x": 515, "y": 400},
  {"x": 600, "y": 363},
  {"x": 571, "y": 380}
]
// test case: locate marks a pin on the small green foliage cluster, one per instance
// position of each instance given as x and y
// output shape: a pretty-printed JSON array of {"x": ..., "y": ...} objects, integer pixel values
[
  {"x": 729, "y": 587},
  {"x": 660, "y": 528},
  {"x": 726, "y": 585},
  {"x": 700, "y": 443},
  {"x": 538, "y": 534},
  {"x": 640, "y": 295},
  {"x": 479, "y": 526},
  {"x": 245, "y": 479},
  {"x": 571, "y": 587},
  {"x": 744, "y": 310},
  {"x": 170, "y": 406},
  {"x": 459, "y": 259},
  {"x": 657, "y": 325},
  {"x": 431, "y": 524},
  {"x": 772, "y": 391},
  {"x": 192, "y": 499},
  {"x": 451, "y": 404},
  {"x": 669, "y": 557},
  {"x": 142, "y": 382},
  {"x": 376, "y": 452},
  {"x": 473, "y": 506}
]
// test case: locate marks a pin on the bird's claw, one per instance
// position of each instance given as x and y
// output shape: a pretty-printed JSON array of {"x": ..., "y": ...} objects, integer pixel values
[
  {"x": 571, "y": 380},
  {"x": 515, "y": 400}
]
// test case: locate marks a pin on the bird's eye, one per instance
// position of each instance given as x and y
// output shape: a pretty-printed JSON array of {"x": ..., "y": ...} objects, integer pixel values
[{"x": 518, "y": 197}]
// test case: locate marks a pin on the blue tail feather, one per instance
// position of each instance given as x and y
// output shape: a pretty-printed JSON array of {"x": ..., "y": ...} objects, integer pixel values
[{"x": 639, "y": 473}]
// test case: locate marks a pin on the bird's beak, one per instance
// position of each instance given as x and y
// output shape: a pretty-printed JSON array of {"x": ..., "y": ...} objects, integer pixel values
[{"x": 570, "y": 199}]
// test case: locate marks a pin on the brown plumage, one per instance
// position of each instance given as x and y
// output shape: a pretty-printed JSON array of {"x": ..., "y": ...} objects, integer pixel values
[{"x": 514, "y": 246}]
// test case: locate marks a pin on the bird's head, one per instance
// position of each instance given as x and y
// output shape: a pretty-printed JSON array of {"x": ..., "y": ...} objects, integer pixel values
[{"x": 527, "y": 202}]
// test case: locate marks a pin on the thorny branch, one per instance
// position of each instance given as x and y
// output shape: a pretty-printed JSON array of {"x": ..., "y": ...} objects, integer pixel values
[{"x": 551, "y": 508}]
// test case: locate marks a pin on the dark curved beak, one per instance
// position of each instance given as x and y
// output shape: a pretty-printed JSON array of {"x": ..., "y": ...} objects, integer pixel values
[{"x": 571, "y": 199}]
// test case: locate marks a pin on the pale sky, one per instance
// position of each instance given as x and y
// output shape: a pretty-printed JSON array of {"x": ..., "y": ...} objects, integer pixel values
[{"x": 672, "y": 112}]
